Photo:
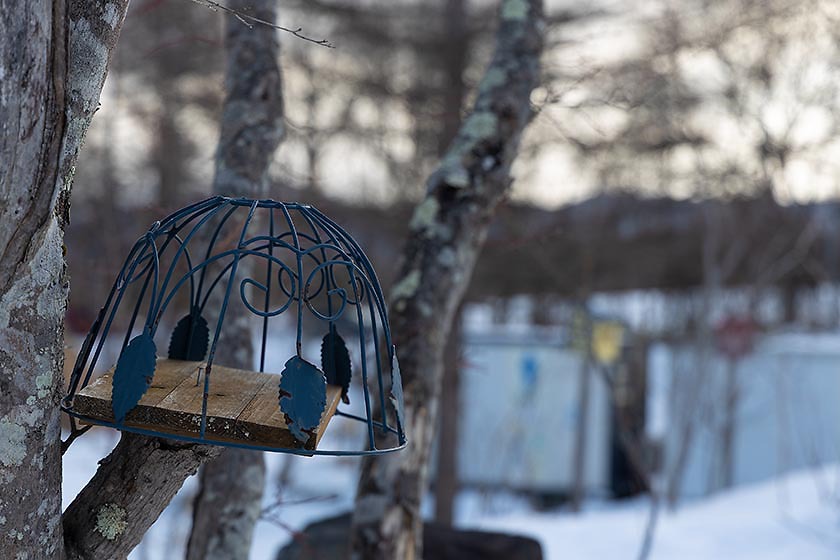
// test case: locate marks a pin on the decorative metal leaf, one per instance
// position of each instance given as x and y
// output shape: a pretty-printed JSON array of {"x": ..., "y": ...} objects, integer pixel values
[
  {"x": 335, "y": 361},
  {"x": 190, "y": 339},
  {"x": 303, "y": 397},
  {"x": 397, "y": 398},
  {"x": 133, "y": 375}
]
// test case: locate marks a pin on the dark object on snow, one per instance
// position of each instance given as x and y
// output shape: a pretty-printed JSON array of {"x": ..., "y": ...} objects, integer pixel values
[{"x": 327, "y": 539}]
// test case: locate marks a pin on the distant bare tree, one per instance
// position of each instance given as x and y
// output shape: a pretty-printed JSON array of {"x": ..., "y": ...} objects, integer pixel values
[{"x": 662, "y": 119}]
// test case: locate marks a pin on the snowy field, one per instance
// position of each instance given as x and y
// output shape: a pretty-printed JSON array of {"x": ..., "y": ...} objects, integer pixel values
[{"x": 793, "y": 517}]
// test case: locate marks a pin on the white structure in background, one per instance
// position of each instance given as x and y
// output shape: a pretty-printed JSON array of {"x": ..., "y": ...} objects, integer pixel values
[
  {"x": 519, "y": 413},
  {"x": 787, "y": 417}
]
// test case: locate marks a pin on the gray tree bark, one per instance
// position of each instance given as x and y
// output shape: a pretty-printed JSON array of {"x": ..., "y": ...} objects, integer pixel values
[
  {"x": 728, "y": 431},
  {"x": 53, "y": 62},
  {"x": 227, "y": 506},
  {"x": 456, "y": 59},
  {"x": 447, "y": 231},
  {"x": 130, "y": 489},
  {"x": 447, "y": 481},
  {"x": 582, "y": 429},
  {"x": 229, "y": 501},
  {"x": 455, "y": 62}
]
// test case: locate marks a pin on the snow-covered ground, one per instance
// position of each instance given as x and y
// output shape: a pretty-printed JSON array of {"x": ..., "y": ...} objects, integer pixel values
[{"x": 796, "y": 516}]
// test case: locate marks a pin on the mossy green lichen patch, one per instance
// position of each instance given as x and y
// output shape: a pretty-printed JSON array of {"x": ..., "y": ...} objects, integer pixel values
[
  {"x": 424, "y": 214},
  {"x": 457, "y": 176},
  {"x": 110, "y": 521},
  {"x": 516, "y": 10},
  {"x": 43, "y": 383},
  {"x": 12, "y": 443},
  {"x": 493, "y": 78},
  {"x": 407, "y": 287},
  {"x": 481, "y": 124}
]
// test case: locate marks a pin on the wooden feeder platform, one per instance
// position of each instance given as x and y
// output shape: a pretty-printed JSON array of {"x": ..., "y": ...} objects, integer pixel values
[{"x": 242, "y": 406}]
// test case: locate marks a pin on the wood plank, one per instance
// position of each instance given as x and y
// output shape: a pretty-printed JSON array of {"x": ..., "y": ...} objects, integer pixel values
[
  {"x": 95, "y": 399},
  {"x": 242, "y": 406},
  {"x": 262, "y": 417},
  {"x": 230, "y": 391}
]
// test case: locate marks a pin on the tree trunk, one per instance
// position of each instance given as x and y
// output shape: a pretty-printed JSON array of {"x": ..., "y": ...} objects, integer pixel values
[
  {"x": 446, "y": 473},
  {"x": 229, "y": 503},
  {"x": 454, "y": 66},
  {"x": 53, "y": 61},
  {"x": 582, "y": 429},
  {"x": 170, "y": 156},
  {"x": 252, "y": 114},
  {"x": 728, "y": 431},
  {"x": 446, "y": 233},
  {"x": 227, "y": 506},
  {"x": 455, "y": 56},
  {"x": 689, "y": 387}
]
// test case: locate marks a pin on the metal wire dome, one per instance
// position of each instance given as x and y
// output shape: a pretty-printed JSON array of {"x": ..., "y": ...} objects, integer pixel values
[{"x": 286, "y": 269}]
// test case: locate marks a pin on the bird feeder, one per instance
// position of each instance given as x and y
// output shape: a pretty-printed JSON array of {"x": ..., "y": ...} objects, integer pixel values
[{"x": 285, "y": 270}]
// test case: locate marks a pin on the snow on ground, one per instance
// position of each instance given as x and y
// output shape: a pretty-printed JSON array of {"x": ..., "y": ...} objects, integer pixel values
[
  {"x": 318, "y": 487},
  {"x": 794, "y": 517}
]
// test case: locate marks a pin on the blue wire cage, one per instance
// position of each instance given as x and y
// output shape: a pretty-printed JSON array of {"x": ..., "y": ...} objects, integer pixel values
[{"x": 292, "y": 274}]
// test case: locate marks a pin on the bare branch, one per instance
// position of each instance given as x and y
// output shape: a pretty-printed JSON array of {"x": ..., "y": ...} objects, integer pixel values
[{"x": 251, "y": 20}]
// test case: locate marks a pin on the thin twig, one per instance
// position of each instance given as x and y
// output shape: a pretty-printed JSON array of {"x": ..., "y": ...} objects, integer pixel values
[
  {"x": 250, "y": 20},
  {"x": 280, "y": 502},
  {"x": 650, "y": 528}
]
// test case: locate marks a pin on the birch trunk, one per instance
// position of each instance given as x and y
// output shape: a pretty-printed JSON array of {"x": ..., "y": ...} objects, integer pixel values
[{"x": 446, "y": 233}]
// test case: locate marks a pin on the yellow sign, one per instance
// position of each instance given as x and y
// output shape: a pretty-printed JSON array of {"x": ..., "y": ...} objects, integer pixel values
[{"x": 607, "y": 337}]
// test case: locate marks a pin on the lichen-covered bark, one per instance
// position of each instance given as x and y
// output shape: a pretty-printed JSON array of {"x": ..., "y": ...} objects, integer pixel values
[
  {"x": 228, "y": 505},
  {"x": 53, "y": 62},
  {"x": 252, "y": 116},
  {"x": 456, "y": 54},
  {"x": 447, "y": 231},
  {"x": 130, "y": 489}
]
